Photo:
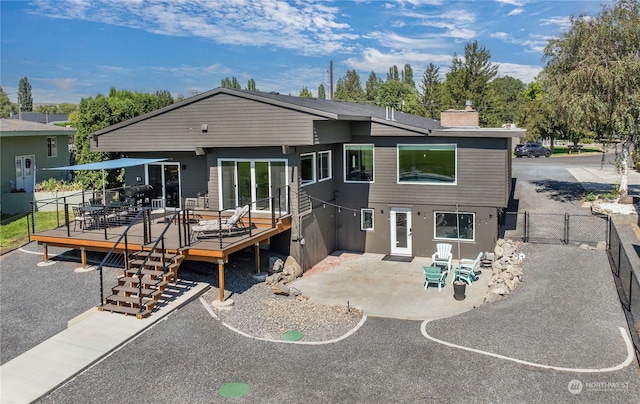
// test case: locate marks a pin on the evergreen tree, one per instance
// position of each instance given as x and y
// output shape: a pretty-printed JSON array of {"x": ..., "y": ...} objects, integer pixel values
[
  {"x": 322, "y": 95},
  {"x": 305, "y": 93},
  {"x": 469, "y": 78},
  {"x": 407, "y": 75},
  {"x": 371, "y": 88},
  {"x": 431, "y": 92},
  {"x": 25, "y": 100},
  {"x": 349, "y": 88}
]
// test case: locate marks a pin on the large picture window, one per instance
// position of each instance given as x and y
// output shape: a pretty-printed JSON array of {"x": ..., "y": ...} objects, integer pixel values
[
  {"x": 427, "y": 164},
  {"x": 454, "y": 226},
  {"x": 308, "y": 168},
  {"x": 358, "y": 163},
  {"x": 324, "y": 165}
]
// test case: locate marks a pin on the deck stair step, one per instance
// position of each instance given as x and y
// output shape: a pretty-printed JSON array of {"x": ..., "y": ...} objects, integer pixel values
[
  {"x": 125, "y": 310},
  {"x": 146, "y": 279}
]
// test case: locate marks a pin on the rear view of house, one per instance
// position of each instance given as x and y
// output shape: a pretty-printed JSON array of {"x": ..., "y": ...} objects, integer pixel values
[{"x": 353, "y": 177}]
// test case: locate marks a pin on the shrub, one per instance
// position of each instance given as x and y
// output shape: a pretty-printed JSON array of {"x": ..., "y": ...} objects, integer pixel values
[{"x": 54, "y": 185}]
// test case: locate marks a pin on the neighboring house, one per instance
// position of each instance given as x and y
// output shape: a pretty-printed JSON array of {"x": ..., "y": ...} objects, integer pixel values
[
  {"x": 354, "y": 177},
  {"x": 40, "y": 117},
  {"x": 26, "y": 148}
]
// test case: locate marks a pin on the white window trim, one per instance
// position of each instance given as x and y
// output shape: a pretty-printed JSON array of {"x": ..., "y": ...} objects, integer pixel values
[
  {"x": 330, "y": 168},
  {"x": 473, "y": 214},
  {"x": 313, "y": 168},
  {"x": 426, "y": 183},
  {"x": 362, "y": 211},
  {"x": 344, "y": 163}
]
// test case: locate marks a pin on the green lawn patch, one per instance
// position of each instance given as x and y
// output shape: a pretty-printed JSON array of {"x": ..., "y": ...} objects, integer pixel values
[{"x": 15, "y": 233}]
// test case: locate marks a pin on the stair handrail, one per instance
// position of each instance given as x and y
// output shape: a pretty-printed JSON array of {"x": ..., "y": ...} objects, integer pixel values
[
  {"x": 160, "y": 238},
  {"x": 112, "y": 250}
]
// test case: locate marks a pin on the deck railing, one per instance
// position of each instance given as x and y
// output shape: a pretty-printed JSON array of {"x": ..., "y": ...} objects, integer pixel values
[{"x": 110, "y": 258}]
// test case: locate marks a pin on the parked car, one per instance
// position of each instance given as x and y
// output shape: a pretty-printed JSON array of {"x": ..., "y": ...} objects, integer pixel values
[{"x": 532, "y": 150}]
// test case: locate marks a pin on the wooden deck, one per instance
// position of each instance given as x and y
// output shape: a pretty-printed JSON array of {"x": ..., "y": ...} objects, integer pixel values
[{"x": 211, "y": 249}]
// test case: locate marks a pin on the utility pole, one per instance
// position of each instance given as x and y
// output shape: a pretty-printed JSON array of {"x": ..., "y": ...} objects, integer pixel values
[{"x": 331, "y": 80}]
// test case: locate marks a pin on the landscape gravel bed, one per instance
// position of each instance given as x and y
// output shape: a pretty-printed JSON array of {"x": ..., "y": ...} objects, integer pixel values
[{"x": 258, "y": 312}]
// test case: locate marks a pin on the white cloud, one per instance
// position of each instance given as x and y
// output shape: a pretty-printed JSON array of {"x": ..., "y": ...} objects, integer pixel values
[
  {"x": 307, "y": 27},
  {"x": 62, "y": 83},
  {"x": 374, "y": 60},
  {"x": 525, "y": 73},
  {"x": 563, "y": 23},
  {"x": 515, "y": 11}
]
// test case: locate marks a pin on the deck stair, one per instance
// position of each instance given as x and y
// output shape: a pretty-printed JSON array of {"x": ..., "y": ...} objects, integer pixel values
[{"x": 140, "y": 288}]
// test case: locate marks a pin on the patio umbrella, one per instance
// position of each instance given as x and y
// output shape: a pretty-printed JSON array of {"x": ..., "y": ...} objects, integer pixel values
[{"x": 107, "y": 165}]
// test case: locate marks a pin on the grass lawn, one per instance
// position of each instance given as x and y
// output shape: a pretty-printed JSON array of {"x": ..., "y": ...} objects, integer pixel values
[
  {"x": 15, "y": 233},
  {"x": 564, "y": 150}
]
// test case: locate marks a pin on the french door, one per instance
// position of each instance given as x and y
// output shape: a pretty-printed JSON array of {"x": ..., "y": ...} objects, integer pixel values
[
  {"x": 401, "y": 231},
  {"x": 25, "y": 173},
  {"x": 252, "y": 181},
  {"x": 165, "y": 180}
]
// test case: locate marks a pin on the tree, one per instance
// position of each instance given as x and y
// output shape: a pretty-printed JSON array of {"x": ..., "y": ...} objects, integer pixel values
[
  {"x": 25, "y": 100},
  {"x": 504, "y": 98},
  {"x": 97, "y": 113},
  {"x": 593, "y": 76},
  {"x": 6, "y": 106},
  {"x": 322, "y": 95},
  {"x": 431, "y": 92},
  {"x": 393, "y": 73},
  {"x": 468, "y": 79},
  {"x": 230, "y": 83},
  {"x": 371, "y": 88},
  {"x": 305, "y": 93},
  {"x": 407, "y": 75},
  {"x": 251, "y": 85},
  {"x": 349, "y": 87}
]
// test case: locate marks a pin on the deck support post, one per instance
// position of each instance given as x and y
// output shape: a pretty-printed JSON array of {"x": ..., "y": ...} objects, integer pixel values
[
  {"x": 45, "y": 256},
  {"x": 257, "y": 251},
  {"x": 83, "y": 257},
  {"x": 221, "y": 279}
]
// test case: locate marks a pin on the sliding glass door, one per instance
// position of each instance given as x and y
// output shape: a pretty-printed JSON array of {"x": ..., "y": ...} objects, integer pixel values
[{"x": 252, "y": 181}]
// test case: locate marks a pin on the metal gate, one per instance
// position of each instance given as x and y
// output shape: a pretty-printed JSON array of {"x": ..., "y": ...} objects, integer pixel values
[{"x": 555, "y": 228}]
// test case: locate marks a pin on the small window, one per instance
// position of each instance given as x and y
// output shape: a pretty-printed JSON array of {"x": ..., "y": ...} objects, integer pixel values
[
  {"x": 427, "y": 164},
  {"x": 358, "y": 163},
  {"x": 308, "y": 168},
  {"x": 366, "y": 219},
  {"x": 454, "y": 226},
  {"x": 52, "y": 148},
  {"x": 324, "y": 165}
]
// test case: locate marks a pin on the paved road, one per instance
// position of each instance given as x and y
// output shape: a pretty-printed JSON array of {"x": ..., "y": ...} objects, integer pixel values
[{"x": 565, "y": 319}]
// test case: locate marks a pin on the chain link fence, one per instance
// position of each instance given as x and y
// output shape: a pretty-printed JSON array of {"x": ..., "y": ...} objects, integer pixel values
[{"x": 555, "y": 228}]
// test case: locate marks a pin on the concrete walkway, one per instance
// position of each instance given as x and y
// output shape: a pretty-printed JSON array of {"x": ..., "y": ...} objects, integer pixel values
[
  {"x": 386, "y": 288},
  {"x": 89, "y": 338}
]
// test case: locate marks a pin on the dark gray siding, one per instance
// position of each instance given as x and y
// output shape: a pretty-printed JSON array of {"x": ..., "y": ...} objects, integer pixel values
[
  {"x": 481, "y": 168},
  {"x": 378, "y": 129},
  {"x": 327, "y": 132},
  {"x": 231, "y": 122}
]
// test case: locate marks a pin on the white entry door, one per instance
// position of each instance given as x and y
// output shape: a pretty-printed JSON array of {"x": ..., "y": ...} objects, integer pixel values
[
  {"x": 401, "y": 231},
  {"x": 25, "y": 174}
]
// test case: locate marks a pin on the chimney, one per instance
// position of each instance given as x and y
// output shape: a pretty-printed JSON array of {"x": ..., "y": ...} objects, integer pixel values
[{"x": 460, "y": 118}]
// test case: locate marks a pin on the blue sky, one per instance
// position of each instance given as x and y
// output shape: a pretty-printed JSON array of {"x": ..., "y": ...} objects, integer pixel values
[{"x": 81, "y": 48}]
